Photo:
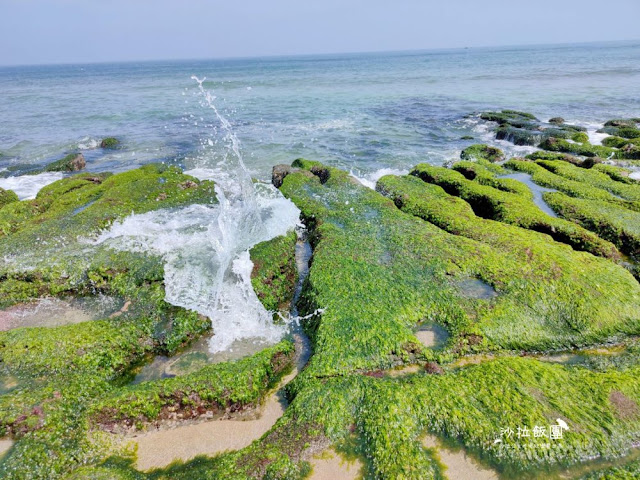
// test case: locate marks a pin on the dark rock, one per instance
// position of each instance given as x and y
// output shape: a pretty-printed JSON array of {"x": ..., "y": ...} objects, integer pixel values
[
  {"x": 278, "y": 173},
  {"x": 433, "y": 368},
  {"x": 518, "y": 136},
  {"x": 466, "y": 137},
  {"x": 556, "y": 120}
]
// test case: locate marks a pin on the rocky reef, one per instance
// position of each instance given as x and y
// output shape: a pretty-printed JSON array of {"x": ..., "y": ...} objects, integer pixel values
[{"x": 524, "y": 265}]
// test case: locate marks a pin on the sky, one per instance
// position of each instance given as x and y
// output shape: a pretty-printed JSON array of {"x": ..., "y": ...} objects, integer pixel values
[{"x": 87, "y": 31}]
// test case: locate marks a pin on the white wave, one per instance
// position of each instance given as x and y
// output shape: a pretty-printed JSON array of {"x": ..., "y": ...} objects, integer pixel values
[
  {"x": 635, "y": 175},
  {"x": 28, "y": 186},
  {"x": 595, "y": 138},
  {"x": 334, "y": 124},
  {"x": 88, "y": 143},
  {"x": 370, "y": 179},
  {"x": 197, "y": 242}
]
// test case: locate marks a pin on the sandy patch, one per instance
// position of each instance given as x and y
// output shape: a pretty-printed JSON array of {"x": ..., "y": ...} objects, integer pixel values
[
  {"x": 459, "y": 464},
  {"x": 331, "y": 466},
  {"x": 5, "y": 446}
]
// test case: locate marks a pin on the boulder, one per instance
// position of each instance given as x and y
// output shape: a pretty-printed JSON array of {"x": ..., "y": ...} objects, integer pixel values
[{"x": 71, "y": 163}]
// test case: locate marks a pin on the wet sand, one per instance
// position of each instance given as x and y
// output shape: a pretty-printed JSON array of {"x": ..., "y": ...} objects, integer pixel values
[
  {"x": 331, "y": 466},
  {"x": 5, "y": 446},
  {"x": 159, "y": 448},
  {"x": 427, "y": 337},
  {"x": 459, "y": 464}
]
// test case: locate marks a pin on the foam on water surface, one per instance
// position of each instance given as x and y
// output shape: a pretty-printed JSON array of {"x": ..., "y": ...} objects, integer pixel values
[
  {"x": 370, "y": 179},
  {"x": 28, "y": 186}
]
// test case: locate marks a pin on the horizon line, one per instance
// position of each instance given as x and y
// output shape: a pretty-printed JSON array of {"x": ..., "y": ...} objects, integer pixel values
[{"x": 302, "y": 55}]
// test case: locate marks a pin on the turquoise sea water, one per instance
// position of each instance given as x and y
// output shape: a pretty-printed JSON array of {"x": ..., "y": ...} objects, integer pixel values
[{"x": 362, "y": 112}]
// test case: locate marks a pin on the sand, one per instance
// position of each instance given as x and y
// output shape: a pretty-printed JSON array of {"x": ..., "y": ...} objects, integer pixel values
[
  {"x": 331, "y": 466},
  {"x": 459, "y": 464}
]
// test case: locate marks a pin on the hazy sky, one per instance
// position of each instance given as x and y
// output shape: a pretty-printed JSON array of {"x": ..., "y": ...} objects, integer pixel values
[{"x": 63, "y": 31}]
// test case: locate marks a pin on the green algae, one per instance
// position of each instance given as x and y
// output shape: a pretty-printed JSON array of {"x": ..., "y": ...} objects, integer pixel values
[
  {"x": 593, "y": 177},
  {"x": 544, "y": 155},
  {"x": 540, "y": 271},
  {"x": 7, "y": 196},
  {"x": 618, "y": 225},
  {"x": 218, "y": 387},
  {"x": 554, "y": 144},
  {"x": 110, "y": 143},
  {"x": 274, "y": 274},
  {"x": 377, "y": 272},
  {"x": 484, "y": 175},
  {"x": 573, "y": 188},
  {"x": 618, "y": 142},
  {"x": 70, "y": 163},
  {"x": 513, "y": 208},
  {"x": 483, "y": 152},
  {"x": 619, "y": 174},
  {"x": 61, "y": 370}
]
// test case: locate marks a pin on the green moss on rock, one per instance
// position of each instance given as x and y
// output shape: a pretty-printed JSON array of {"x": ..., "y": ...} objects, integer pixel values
[
  {"x": 71, "y": 163},
  {"x": 483, "y": 152},
  {"x": 585, "y": 149},
  {"x": 275, "y": 274},
  {"x": 573, "y": 188},
  {"x": 214, "y": 388},
  {"x": 109, "y": 143},
  {"x": 7, "y": 196},
  {"x": 489, "y": 202},
  {"x": 595, "y": 178},
  {"x": 618, "y": 225}
]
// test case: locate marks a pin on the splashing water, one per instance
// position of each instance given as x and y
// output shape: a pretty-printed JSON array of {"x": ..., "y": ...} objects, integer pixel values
[{"x": 206, "y": 248}]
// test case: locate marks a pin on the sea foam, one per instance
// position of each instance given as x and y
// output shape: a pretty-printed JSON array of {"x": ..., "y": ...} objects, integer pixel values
[{"x": 28, "y": 186}]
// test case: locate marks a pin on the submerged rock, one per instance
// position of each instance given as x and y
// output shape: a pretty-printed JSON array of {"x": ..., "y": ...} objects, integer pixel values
[{"x": 556, "y": 120}]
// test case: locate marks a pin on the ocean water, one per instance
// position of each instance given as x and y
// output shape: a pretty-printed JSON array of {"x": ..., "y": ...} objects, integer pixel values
[{"x": 362, "y": 112}]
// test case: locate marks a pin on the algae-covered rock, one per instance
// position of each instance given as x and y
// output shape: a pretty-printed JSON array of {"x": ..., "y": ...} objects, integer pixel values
[
  {"x": 544, "y": 155},
  {"x": 7, "y": 196},
  {"x": 573, "y": 184},
  {"x": 61, "y": 370},
  {"x": 630, "y": 122},
  {"x": 513, "y": 208},
  {"x": 109, "y": 143},
  {"x": 274, "y": 275},
  {"x": 482, "y": 151},
  {"x": 554, "y": 144},
  {"x": 71, "y": 163}
]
